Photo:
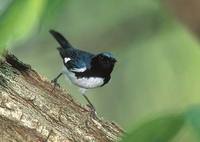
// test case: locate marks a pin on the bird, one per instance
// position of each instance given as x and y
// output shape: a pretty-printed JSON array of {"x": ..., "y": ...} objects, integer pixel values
[{"x": 84, "y": 69}]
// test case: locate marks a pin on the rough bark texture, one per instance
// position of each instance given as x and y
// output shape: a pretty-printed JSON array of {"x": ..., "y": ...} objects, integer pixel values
[{"x": 31, "y": 112}]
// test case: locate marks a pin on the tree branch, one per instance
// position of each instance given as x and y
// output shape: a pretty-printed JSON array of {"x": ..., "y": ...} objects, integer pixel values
[{"x": 30, "y": 111}]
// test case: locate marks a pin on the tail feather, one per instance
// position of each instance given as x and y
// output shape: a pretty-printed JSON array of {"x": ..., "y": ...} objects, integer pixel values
[{"x": 61, "y": 39}]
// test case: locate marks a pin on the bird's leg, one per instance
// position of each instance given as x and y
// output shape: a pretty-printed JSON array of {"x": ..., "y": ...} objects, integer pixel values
[
  {"x": 93, "y": 110},
  {"x": 54, "y": 81}
]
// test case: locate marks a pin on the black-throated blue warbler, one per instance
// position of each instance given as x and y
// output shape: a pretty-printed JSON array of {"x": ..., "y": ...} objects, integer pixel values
[{"x": 84, "y": 69}]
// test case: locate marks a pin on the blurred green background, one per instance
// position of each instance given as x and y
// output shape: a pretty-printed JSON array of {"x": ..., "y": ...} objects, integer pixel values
[{"x": 155, "y": 85}]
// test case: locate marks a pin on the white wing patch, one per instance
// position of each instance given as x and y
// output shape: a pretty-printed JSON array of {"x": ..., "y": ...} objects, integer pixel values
[
  {"x": 66, "y": 59},
  {"x": 79, "y": 70}
]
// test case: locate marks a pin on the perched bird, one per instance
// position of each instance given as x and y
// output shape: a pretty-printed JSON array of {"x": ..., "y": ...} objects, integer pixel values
[{"x": 84, "y": 69}]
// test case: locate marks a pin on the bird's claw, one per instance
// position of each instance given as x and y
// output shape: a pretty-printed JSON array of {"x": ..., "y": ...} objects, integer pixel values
[
  {"x": 55, "y": 84},
  {"x": 93, "y": 112},
  {"x": 54, "y": 81}
]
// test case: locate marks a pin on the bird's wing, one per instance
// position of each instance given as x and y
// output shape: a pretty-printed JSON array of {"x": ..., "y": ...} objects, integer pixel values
[
  {"x": 75, "y": 65},
  {"x": 77, "y": 61}
]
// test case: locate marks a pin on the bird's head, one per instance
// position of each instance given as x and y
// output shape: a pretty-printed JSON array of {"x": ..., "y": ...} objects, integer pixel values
[{"x": 105, "y": 61}]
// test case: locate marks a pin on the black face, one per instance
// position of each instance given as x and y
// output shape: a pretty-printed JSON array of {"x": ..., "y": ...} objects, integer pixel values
[{"x": 104, "y": 62}]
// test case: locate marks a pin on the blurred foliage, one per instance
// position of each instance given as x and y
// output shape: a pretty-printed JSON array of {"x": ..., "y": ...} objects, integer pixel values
[
  {"x": 19, "y": 20},
  {"x": 158, "y": 130},
  {"x": 168, "y": 128},
  {"x": 193, "y": 117},
  {"x": 52, "y": 10},
  {"x": 22, "y": 18},
  {"x": 158, "y": 69}
]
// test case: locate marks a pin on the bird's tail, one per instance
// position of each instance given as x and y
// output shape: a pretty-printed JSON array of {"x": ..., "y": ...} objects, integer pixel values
[{"x": 60, "y": 38}]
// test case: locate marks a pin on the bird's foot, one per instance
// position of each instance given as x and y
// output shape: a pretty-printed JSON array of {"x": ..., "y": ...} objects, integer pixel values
[
  {"x": 55, "y": 83},
  {"x": 93, "y": 112}
]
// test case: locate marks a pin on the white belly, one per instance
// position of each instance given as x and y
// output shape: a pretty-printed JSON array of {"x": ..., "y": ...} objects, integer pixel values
[{"x": 87, "y": 83}]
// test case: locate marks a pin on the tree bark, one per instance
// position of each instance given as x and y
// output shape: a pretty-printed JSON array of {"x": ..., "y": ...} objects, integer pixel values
[{"x": 30, "y": 111}]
